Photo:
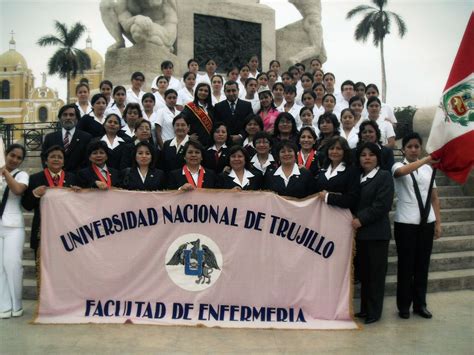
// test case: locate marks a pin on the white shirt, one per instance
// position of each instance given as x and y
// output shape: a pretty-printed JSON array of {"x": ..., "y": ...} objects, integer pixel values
[
  {"x": 245, "y": 179},
  {"x": 134, "y": 98},
  {"x": 407, "y": 210},
  {"x": 255, "y": 103},
  {"x": 165, "y": 120},
  {"x": 203, "y": 78},
  {"x": 86, "y": 112},
  {"x": 128, "y": 131},
  {"x": 141, "y": 176},
  {"x": 184, "y": 96},
  {"x": 195, "y": 175},
  {"x": 12, "y": 215},
  {"x": 174, "y": 143},
  {"x": 100, "y": 121},
  {"x": 216, "y": 100},
  {"x": 386, "y": 130},
  {"x": 71, "y": 131},
  {"x": 115, "y": 143},
  {"x": 386, "y": 112},
  {"x": 370, "y": 175},
  {"x": 159, "y": 101},
  {"x": 352, "y": 138},
  {"x": 262, "y": 167},
  {"x": 330, "y": 172},
  {"x": 317, "y": 111},
  {"x": 173, "y": 83},
  {"x": 279, "y": 172},
  {"x": 114, "y": 109}
]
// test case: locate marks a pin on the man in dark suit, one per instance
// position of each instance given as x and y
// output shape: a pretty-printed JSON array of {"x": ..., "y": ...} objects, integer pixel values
[
  {"x": 233, "y": 111},
  {"x": 73, "y": 140}
]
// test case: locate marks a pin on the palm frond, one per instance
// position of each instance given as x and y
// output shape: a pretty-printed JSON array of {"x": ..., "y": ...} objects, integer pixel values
[
  {"x": 50, "y": 40},
  {"x": 380, "y": 3},
  {"x": 57, "y": 64},
  {"x": 364, "y": 27},
  {"x": 74, "y": 34},
  {"x": 61, "y": 28},
  {"x": 402, "y": 27},
  {"x": 83, "y": 59},
  {"x": 380, "y": 27},
  {"x": 359, "y": 9}
]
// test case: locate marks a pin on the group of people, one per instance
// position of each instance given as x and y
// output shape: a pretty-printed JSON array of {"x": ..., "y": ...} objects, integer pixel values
[{"x": 289, "y": 133}]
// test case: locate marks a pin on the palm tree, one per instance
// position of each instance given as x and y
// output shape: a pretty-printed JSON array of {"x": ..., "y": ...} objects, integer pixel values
[
  {"x": 377, "y": 22},
  {"x": 67, "y": 61}
]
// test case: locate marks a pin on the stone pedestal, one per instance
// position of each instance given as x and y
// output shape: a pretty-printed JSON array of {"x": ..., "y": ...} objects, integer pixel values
[{"x": 122, "y": 62}]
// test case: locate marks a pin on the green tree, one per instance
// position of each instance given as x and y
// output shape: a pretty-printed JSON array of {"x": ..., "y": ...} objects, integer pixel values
[
  {"x": 67, "y": 61},
  {"x": 377, "y": 21}
]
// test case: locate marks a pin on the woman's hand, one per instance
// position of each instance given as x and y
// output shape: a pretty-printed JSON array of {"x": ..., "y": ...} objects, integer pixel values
[
  {"x": 236, "y": 188},
  {"x": 187, "y": 187},
  {"x": 101, "y": 185},
  {"x": 437, "y": 231},
  {"x": 75, "y": 188},
  {"x": 322, "y": 195},
  {"x": 39, "y": 191},
  {"x": 356, "y": 223}
]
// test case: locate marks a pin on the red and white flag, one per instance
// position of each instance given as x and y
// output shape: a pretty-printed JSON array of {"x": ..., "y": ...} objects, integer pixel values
[{"x": 452, "y": 134}]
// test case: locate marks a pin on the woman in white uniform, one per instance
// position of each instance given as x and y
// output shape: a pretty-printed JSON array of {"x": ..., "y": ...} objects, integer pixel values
[{"x": 12, "y": 232}]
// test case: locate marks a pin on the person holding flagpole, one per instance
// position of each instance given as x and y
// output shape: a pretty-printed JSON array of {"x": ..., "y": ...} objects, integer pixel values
[{"x": 417, "y": 223}]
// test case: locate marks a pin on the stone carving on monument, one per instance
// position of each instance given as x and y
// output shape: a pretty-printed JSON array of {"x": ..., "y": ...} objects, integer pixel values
[
  {"x": 150, "y": 25},
  {"x": 302, "y": 41}
]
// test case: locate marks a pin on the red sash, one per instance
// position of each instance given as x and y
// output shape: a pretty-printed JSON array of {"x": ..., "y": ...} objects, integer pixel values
[
  {"x": 49, "y": 178},
  {"x": 308, "y": 161},
  {"x": 190, "y": 179},
  {"x": 108, "y": 181},
  {"x": 201, "y": 115}
]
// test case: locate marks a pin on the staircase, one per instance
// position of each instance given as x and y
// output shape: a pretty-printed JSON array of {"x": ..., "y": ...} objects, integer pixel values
[{"x": 452, "y": 261}]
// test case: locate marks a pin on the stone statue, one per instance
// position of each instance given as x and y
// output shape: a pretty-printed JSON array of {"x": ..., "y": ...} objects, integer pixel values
[
  {"x": 141, "y": 22},
  {"x": 311, "y": 12}
]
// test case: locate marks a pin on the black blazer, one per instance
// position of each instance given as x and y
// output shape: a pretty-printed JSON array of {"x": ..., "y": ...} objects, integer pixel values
[
  {"x": 91, "y": 126},
  {"x": 344, "y": 187},
  {"x": 154, "y": 180},
  {"x": 86, "y": 177},
  {"x": 176, "y": 179},
  {"x": 126, "y": 160},
  {"x": 314, "y": 166},
  {"x": 299, "y": 186},
  {"x": 235, "y": 122},
  {"x": 196, "y": 126},
  {"x": 376, "y": 197},
  {"x": 170, "y": 159},
  {"x": 226, "y": 182},
  {"x": 114, "y": 156},
  {"x": 76, "y": 156},
  {"x": 31, "y": 202},
  {"x": 210, "y": 162}
]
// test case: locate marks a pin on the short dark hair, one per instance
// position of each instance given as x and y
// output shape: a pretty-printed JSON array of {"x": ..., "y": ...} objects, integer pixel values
[
  {"x": 54, "y": 148},
  {"x": 230, "y": 82},
  {"x": 356, "y": 98},
  {"x": 408, "y": 137},
  {"x": 263, "y": 135},
  {"x": 96, "y": 98},
  {"x": 373, "y": 99},
  {"x": 137, "y": 75},
  {"x": 166, "y": 64},
  {"x": 105, "y": 82},
  {"x": 347, "y": 82},
  {"x": 170, "y": 91},
  {"x": 180, "y": 116},
  {"x": 249, "y": 80},
  {"x": 289, "y": 89},
  {"x": 372, "y": 86},
  {"x": 192, "y": 60},
  {"x": 237, "y": 148},
  {"x": 311, "y": 131},
  {"x": 253, "y": 117},
  {"x": 16, "y": 146},
  {"x": 188, "y": 73},
  {"x": 96, "y": 145},
  {"x": 195, "y": 144},
  {"x": 132, "y": 106},
  {"x": 288, "y": 116},
  {"x": 329, "y": 117},
  {"x": 148, "y": 95},
  {"x": 80, "y": 85},
  {"x": 374, "y": 148},
  {"x": 68, "y": 106},
  {"x": 286, "y": 144},
  {"x": 374, "y": 125},
  {"x": 119, "y": 88},
  {"x": 215, "y": 127},
  {"x": 347, "y": 158}
]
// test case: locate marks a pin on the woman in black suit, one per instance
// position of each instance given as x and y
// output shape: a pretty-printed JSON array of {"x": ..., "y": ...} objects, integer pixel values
[
  {"x": 172, "y": 154},
  {"x": 373, "y": 230},
  {"x": 338, "y": 180},
  {"x": 142, "y": 133},
  {"x": 329, "y": 127},
  {"x": 241, "y": 176},
  {"x": 98, "y": 175},
  {"x": 283, "y": 130},
  {"x": 307, "y": 156},
  {"x": 369, "y": 132},
  {"x": 217, "y": 155},
  {"x": 192, "y": 175},
  {"x": 115, "y": 144},
  {"x": 252, "y": 125},
  {"x": 142, "y": 176},
  {"x": 93, "y": 122},
  {"x": 53, "y": 176},
  {"x": 289, "y": 179}
]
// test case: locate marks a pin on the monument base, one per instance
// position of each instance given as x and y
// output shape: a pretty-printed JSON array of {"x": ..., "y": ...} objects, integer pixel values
[{"x": 120, "y": 63}]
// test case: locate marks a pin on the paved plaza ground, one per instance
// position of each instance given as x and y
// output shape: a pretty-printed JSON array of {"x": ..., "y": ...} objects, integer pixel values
[{"x": 451, "y": 331}]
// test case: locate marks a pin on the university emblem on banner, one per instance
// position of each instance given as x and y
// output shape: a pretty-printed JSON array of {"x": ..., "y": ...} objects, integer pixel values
[
  {"x": 194, "y": 262},
  {"x": 458, "y": 103}
]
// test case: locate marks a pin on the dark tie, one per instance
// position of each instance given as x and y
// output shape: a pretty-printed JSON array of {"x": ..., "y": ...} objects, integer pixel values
[
  {"x": 56, "y": 180},
  {"x": 66, "y": 142},
  {"x": 232, "y": 107}
]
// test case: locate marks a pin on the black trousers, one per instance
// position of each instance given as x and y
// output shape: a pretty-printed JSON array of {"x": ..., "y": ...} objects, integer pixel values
[
  {"x": 372, "y": 261},
  {"x": 414, "y": 245}
]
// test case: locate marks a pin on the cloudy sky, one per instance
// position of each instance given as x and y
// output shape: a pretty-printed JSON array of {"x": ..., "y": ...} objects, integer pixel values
[{"x": 417, "y": 66}]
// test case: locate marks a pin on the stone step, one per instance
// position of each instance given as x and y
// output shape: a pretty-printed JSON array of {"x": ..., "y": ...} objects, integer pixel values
[
  {"x": 441, "y": 261},
  {"x": 450, "y": 191},
  {"x": 456, "y": 202},
  {"x": 445, "y": 181},
  {"x": 451, "y": 215},
  {"x": 444, "y": 245},
  {"x": 451, "y": 229},
  {"x": 438, "y": 281}
]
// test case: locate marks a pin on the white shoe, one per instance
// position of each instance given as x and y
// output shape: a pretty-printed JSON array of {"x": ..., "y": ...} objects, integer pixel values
[
  {"x": 6, "y": 314},
  {"x": 18, "y": 313}
]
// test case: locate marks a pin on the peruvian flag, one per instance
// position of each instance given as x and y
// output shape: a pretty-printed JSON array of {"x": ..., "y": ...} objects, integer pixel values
[{"x": 452, "y": 134}]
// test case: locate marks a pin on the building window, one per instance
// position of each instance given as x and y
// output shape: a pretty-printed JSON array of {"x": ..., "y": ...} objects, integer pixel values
[
  {"x": 43, "y": 114},
  {"x": 5, "y": 93}
]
